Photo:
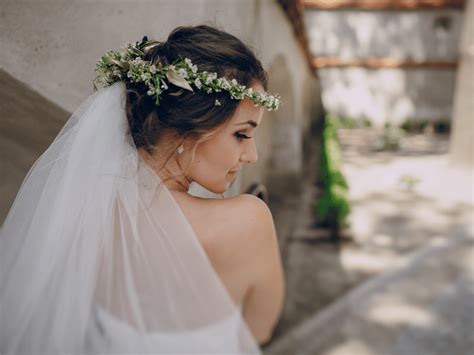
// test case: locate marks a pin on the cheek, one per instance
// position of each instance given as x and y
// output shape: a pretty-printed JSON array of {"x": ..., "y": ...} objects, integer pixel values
[{"x": 218, "y": 158}]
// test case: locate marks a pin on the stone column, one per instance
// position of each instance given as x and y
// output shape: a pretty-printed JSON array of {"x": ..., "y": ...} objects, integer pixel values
[{"x": 462, "y": 136}]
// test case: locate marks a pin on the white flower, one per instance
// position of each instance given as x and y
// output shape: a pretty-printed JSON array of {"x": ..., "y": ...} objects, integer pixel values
[
  {"x": 150, "y": 92},
  {"x": 226, "y": 84},
  {"x": 145, "y": 76},
  {"x": 183, "y": 73},
  {"x": 137, "y": 61},
  {"x": 217, "y": 103},
  {"x": 198, "y": 83}
]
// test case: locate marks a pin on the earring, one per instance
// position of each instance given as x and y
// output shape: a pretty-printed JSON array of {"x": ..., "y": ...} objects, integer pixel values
[{"x": 180, "y": 149}]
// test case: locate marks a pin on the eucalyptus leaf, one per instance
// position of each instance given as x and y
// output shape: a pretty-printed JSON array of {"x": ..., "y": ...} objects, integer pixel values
[
  {"x": 107, "y": 59},
  {"x": 123, "y": 65},
  {"x": 135, "y": 51},
  {"x": 149, "y": 45},
  {"x": 177, "y": 93},
  {"x": 176, "y": 79}
]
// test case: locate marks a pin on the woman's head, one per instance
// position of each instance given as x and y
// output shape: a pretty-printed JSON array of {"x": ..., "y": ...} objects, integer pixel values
[{"x": 193, "y": 118}]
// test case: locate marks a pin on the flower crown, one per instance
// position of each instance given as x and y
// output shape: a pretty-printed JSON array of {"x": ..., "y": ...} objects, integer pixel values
[{"x": 128, "y": 65}]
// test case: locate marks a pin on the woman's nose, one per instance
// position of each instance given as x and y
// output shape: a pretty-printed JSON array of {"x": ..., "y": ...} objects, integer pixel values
[{"x": 250, "y": 155}]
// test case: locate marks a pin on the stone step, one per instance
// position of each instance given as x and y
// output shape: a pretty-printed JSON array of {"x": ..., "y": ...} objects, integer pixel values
[{"x": 29, "y": 122}]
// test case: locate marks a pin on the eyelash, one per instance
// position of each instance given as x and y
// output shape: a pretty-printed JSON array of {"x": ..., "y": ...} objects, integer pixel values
[{"x": 241, "y": 136}]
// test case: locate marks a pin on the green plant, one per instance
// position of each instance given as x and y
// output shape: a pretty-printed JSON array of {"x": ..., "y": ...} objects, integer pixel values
[
  {"x": 366, "y": 123},
  {"x": 391, "y": 136},
  {"x": 349, "y": 122},
  {"x": 333, "y": 207},
  {"x": 408, "y": 181},
  {"x": 414, "y": 126}
]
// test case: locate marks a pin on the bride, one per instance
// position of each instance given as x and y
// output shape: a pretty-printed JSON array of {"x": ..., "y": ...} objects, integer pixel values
[{"x": 104, "y": 249}]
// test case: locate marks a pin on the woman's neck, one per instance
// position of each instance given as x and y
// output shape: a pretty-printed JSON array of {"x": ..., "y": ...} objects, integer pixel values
[{"x": 170, "y": 173}]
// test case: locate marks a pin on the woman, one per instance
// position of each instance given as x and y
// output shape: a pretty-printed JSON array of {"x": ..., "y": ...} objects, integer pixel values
[{"x": 105, "y": 251}]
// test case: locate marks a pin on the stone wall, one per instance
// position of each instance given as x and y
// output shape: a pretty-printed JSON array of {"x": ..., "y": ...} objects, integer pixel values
[{"x": 383, "y": 94}]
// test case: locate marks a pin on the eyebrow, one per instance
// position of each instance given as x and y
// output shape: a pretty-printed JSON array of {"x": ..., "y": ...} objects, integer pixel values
[{"x": 253, "y": 123}]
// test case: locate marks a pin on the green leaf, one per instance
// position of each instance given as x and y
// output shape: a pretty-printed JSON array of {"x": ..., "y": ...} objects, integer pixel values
[{"x": 177, "y": 93}]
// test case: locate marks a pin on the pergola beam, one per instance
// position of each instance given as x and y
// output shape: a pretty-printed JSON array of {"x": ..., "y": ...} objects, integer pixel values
[
  {"x": 378, "y": 63},
  {"x": 382, "y": 4}
]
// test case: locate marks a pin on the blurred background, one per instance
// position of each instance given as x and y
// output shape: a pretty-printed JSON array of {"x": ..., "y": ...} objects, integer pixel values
[{"x": 367, "y": 166}]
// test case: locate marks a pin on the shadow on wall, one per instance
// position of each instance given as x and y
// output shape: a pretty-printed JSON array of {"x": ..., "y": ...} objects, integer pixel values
[
  {"x": 285, "y": 159},
  {"x": 29, "y": 124},
  {"x": 278, "y": 139}
]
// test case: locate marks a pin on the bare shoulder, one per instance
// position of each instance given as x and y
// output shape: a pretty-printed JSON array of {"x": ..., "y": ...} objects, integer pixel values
[
  {"x": 235, "y": 217},
  {"x": 255, "y": 204},
  {"x": 238, "y": 228},
  {"x": 255, "y": 209},
  {"x": 248, "y": 218}
]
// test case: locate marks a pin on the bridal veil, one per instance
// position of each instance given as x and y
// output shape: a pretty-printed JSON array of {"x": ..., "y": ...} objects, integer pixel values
[{"x": 97, "y": 257}]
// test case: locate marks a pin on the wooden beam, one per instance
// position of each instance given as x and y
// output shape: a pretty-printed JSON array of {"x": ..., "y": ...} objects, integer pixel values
[
  {"x": 378, "y": 63},
  {"x": 293, "y": 9},
  {"x": 382, "y": 4}
]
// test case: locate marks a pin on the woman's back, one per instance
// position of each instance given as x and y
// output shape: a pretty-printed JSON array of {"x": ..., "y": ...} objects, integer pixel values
[{"x": 239, "y": 239}]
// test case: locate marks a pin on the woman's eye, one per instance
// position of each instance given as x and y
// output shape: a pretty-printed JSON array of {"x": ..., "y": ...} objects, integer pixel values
[{"x": 241, "y": 136}]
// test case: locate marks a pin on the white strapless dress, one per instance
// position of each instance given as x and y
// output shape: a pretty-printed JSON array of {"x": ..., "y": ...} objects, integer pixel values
[{"x": 117, "y": 337}]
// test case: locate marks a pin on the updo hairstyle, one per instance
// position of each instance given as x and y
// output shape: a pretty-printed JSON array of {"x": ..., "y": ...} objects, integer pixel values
[{"x": 191, "y": 113}]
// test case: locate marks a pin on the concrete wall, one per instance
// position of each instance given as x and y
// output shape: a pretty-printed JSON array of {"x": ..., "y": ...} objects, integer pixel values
[
  {"x": 392, "y": 94},
  {"x": 52, "y": 47}
]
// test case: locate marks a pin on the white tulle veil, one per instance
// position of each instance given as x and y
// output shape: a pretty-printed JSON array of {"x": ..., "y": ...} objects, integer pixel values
[{"x": 97, "y": 257}]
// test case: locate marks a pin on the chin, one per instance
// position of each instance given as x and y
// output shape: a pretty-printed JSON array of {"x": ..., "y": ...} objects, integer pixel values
[{"x": 218, "y": 189}]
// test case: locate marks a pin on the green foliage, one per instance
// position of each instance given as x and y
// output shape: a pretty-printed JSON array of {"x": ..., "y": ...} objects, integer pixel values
[
  {"x": 334, "y": 206},
  {"x": 349, "y": 122},
  {"x": 441, "y": 125},
  {"x": 366, "y": 122},
  {"x": 391, "y": 136},
  {"x": 409, "y": 181},
  {"x": 414, "y": 126}
]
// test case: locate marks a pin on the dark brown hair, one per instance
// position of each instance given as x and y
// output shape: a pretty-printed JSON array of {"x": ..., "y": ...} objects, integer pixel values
[{"x": 191, "y": 113}]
